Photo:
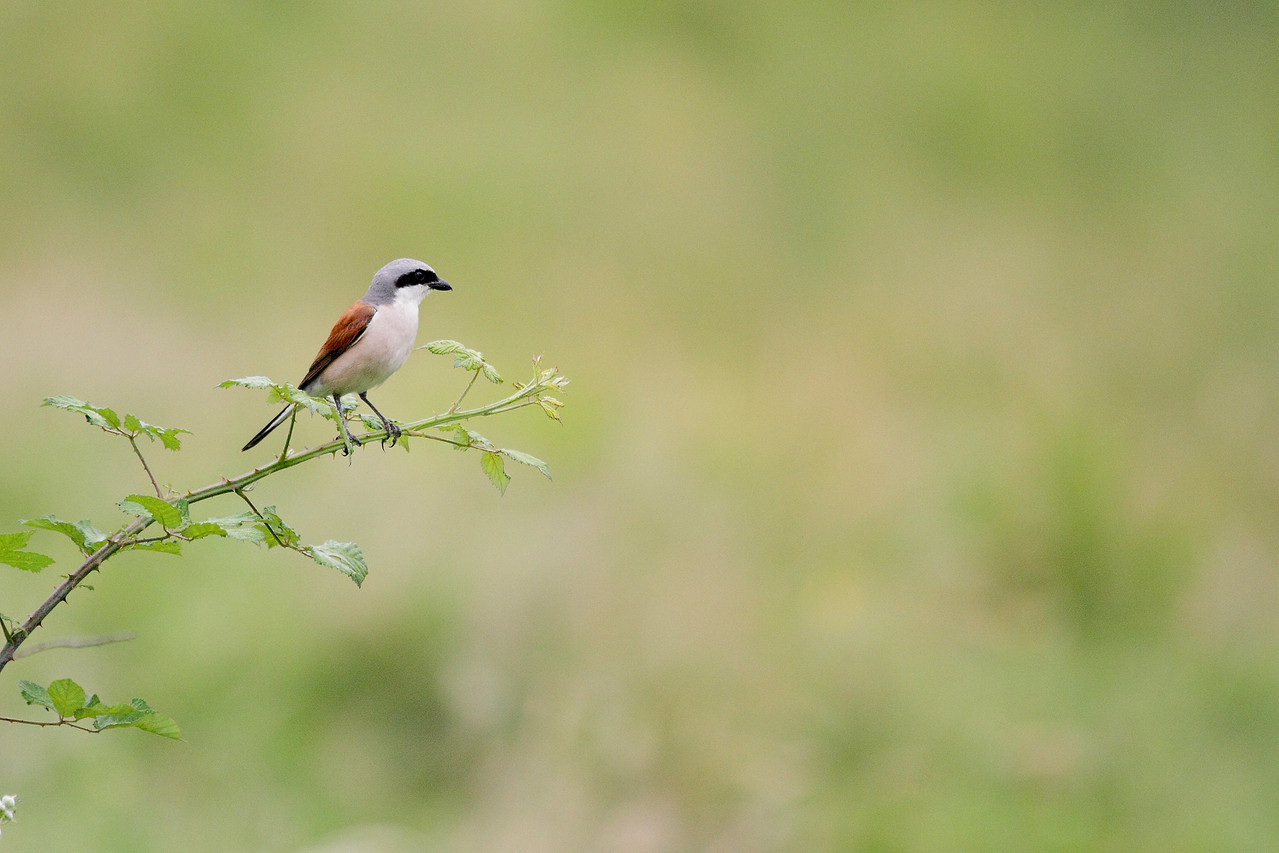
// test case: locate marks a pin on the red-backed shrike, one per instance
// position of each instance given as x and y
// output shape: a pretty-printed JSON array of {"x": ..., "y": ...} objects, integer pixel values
[{"x": 368, "y": 343}]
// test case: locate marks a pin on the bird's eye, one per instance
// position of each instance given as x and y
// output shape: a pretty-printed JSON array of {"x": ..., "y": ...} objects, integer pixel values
[{"x": 427, "y": 276}]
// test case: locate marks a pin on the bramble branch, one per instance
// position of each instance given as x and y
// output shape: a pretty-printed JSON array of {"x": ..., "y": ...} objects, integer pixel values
[{"x": 173, "y": 513}]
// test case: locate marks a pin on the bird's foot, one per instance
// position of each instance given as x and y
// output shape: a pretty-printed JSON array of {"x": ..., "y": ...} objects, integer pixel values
[
  {"x": 393, "y": 433},
  {"x": 349, "y": 442}
]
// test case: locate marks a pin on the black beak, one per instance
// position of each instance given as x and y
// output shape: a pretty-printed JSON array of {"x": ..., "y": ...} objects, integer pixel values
[{"x": 440, "y": 285}]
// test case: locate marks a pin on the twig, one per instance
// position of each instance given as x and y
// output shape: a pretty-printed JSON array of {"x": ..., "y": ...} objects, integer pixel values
[
  {"x": 133, "y": 442},
  {"x": 75, "y": 643},
  {"x": 527, "y": 395},
  {"x": 91, "y": 562},
  {"x": 265, "y": 523},
  {"x": 465, "y": 391},
  {"x": 288, "y": 439},
  {"x": 58, "y": 723}
]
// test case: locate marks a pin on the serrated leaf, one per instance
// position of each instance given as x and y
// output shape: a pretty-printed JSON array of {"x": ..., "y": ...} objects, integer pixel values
[
  {"x": 128, "y": 716},
  {"x": 463, "y": 434},
  {"x": 132, "y": 424},
  {"x": 491, "y": 463},
  {"x": 289, "y": 394},
  {"x": 168, "y": 436},
  {"x": 67, "y": 697},
  {"x": 136, "y": 713},
  {"x": 248, "y": 382},
  {"x": 201, "y": 529},
  {"x": 443, "y": 347},
  {"x": 243, "y": 526},
  {"x": 110, "y": 416},
  {"x": 166, "y": 546},
  {"x": 158, "y": 724},
  {"x": 57, "y": 525},
  {"x": 27, "y": 561},
  {"x": 34, "y": 694},
  {"x": 72, "y": 404},
  {"x": 93, "y": 707},
  {"x": 93, "y": 537},
  {"x": 491, "y": 374},
  {"x": 346, "y": 557},
  {"x": 275, "y": 525},
  {"x": 468, "y": 359},
  {"x": 527, "y": 459},
  {"x": 184, "y": 509},
  {"x": 551, "y": 411},
  {"x": 14, "y": 541},
  {"x": 11, "y": 553},
  {"x": 152, "y": 507}
]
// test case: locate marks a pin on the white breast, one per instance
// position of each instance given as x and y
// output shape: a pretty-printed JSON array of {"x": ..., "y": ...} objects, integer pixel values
[{"x": 380, "y": 351}]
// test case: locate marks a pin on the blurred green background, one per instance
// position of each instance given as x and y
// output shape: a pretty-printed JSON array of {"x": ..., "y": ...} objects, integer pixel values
[{"x": 917, "y": 485}]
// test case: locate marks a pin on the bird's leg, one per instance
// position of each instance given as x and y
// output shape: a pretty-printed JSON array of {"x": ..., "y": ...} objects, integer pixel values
[
  {"x": 393, "y": 432},
  {"x": 346, "y": 433}
]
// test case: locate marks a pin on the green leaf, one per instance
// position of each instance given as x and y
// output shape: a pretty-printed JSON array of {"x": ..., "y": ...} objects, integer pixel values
[
  {"x": 465, "y": 358},
  {"x": 14, "y": 541},
  {"x": 91, "y": 413},
  {"x": 201, "y": 529},
  {"x": 67, "y": 697},
  {"x": 286, "y": 535},
  {"x": 468, "y": 359},
  {"x": 132, "y": 424},
  {"x": 282, "y": 392},
  {"x": 527, "y": 459},
  {"x": 93, "y": 707},
  {"x": 158, "y": 724},
  {"x": 85, "y": 536},
  {"x": 243, "y": 526},
  {"x": 168, "y": 436},
  {"x": 152, "y": 507},
  {"x": 492, "y": 465},
  {"x": 112, "y": 721},
  {"x": 468, "y": 438},
  {"x": 11, "y": 552},
  {"x": 137, "y": 714},
  {"x": 35, "y": 694},
  {"x": 110, "y": 417},
  {"x": 165, "y": 546},
  {"x": 57, "y": 525},
  {"x": 346, "y": 557},
  {"x": 27, "y": 561},
  {"x": 248, "y": 382}
]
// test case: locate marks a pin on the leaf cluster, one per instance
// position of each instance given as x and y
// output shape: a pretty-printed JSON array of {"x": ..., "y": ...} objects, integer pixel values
[
  {"x": 68, "y": 700},
  {"x": 129, "y": 426},
  {"x": 168, "y": 522}
]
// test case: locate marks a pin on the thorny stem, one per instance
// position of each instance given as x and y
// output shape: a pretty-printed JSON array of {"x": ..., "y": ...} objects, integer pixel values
[
  {"x": 527, "y": 395},
  {"x": 288, "y": 439},
  {"x": 68, "y": 723},
  {"x": 133, "y": 442},
  {"x": 91, "y": 563},
  {"x": 465, "y": 391},
  {"x": 265, "y": 523}
]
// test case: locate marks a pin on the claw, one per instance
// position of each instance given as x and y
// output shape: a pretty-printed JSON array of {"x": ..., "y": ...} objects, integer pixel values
[{"x": 393, "y": 434}]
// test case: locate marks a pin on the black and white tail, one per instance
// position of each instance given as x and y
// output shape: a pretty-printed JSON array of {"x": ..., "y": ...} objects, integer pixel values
[{"x": 266, "y": 430}]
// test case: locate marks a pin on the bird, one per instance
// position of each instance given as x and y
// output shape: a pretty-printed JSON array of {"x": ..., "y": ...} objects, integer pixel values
[{"x": 367, "y": 344}]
